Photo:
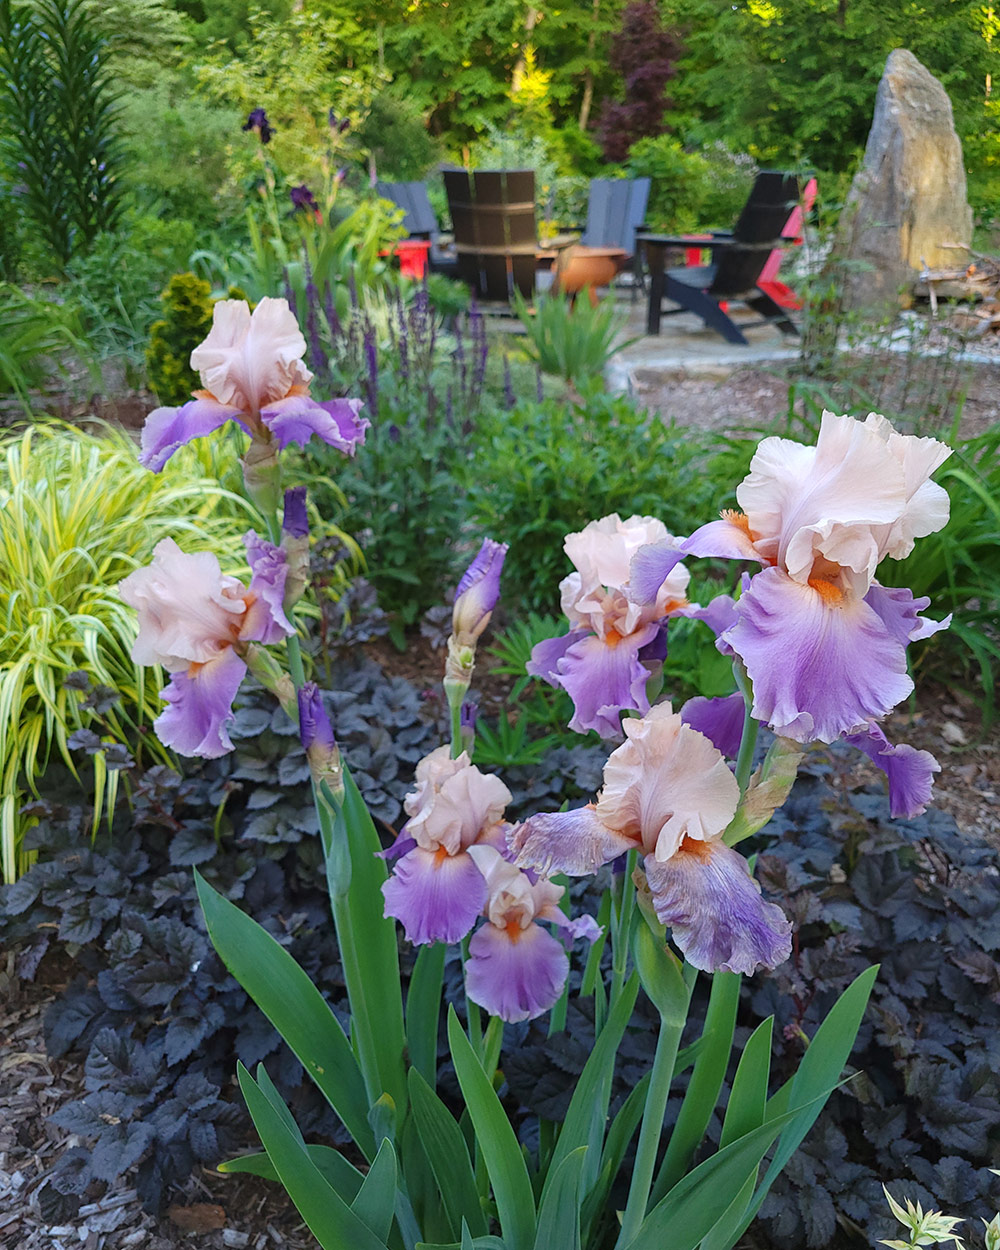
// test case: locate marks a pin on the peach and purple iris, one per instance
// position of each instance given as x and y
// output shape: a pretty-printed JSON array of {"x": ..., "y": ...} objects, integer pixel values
[
  {"x": 669, "y": 794},
  {"x": 252, "y": 373},
  {"x": 436, "y": 891},
  {"x": 516, "y": 969},
  {"x": 823, "y": 642},
  {"x": 615, "y": 638},
  {"x": 195, "y": 622}
]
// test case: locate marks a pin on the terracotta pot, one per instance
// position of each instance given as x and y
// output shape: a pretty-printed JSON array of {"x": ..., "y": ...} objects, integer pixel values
[{"x": 580, "y": 267}]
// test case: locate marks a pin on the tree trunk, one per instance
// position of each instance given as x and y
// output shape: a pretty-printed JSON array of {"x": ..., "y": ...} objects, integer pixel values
[{"x": 588, "y": 77}]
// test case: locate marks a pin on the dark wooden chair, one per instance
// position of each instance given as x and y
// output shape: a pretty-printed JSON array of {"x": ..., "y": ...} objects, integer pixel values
[
  {"x": 738, "y": 259},
  {"x": 493, "y": 219}
]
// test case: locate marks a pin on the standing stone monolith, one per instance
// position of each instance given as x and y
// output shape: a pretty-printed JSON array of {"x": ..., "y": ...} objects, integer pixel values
[{"x": 908, "y": 199}]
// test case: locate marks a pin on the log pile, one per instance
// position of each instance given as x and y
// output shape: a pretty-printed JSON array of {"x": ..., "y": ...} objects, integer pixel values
[{"x": 976, "y": 284}]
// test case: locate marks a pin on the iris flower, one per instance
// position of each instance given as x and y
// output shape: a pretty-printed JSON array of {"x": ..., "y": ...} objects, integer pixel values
[
  {"x": 602, "y": 661},
  {"x": 436, "y": 891},
  {"x": 516, "y": 969},
  {"x": 195, "y": 623},
  {"x": 823, "y": 642},
  {"x": 669, "y": 794},
  {"x": 252, "y": 373}
]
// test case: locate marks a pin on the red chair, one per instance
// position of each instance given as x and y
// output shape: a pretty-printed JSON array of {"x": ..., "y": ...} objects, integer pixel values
[{"x": 767, "y": 281}]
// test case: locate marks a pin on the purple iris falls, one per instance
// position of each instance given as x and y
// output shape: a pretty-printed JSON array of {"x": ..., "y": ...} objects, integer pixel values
[
  {"x": 616, "y": 638},
  {"x": 435, "y": 890},
  {"x": 194, "y": 622},
  {"x": 669, "y": 794},
  {"x": 823, "y": 643},
  {"x": 252, "y": 373}
]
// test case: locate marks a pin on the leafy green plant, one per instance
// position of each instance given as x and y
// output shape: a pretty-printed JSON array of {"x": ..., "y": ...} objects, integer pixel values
[
  {"x": 572, "y": 341},
  {"x": 187, "y": 307},
  {"x": 58, "y": 109},
  {"x": 36, "y": 336},
  {"x": 959, "y": 567},
  {"x": 545, "y": 469},
  {"x": 116, "y": 286},
  {"x": 77, "y": 514}
]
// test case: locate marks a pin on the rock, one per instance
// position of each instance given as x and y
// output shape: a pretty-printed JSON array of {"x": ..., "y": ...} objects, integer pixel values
[{"x": 908, "y": 199}]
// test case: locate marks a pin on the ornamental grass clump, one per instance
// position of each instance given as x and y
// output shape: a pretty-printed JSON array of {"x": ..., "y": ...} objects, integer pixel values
[
  {"x": 77, "y": 513},
  {"x": 819, "y": 651}
]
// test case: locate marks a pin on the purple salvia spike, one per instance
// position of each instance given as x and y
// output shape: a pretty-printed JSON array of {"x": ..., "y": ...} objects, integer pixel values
[
  {"x": 318, "y": 358},
  {"x": 371, "y": 359},
  {"x": 330, "y": 312}
]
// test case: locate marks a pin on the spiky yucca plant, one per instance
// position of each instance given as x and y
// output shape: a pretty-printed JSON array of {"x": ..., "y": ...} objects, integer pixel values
[{"x": 77, "y": 514}]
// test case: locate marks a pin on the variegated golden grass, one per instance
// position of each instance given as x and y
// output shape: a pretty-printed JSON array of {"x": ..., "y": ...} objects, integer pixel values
[{"x": 77, "y": 514}]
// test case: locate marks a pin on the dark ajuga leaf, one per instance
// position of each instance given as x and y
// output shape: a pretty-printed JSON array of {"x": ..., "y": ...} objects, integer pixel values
[{"x": 191, "y": 845}]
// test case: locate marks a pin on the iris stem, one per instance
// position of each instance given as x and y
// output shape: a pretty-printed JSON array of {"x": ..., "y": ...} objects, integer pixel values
[
  {"x": 455, "y": 707},
  {"x": 748, "y": 741},
  {"x": 652, "y": 1127}
]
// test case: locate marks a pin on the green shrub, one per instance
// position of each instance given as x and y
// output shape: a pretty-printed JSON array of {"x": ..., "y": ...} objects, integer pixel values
[
  {"x": 187, "y": 308},
  {"x": 959, "y": 567},
  {"x": 544, "y": 470},
  {"x": 691, "y": 190},
  {"x": 77, "y": 514}
]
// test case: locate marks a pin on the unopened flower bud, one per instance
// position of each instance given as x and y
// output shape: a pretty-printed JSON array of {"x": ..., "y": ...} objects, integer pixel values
[
  {"x": 477, "y": 593},
  {"x": 295, "y": 544},
  {"x": 271, "y": 675},
  {"x": 262, "y": 474},
  {"x": 318, "y": 740}
]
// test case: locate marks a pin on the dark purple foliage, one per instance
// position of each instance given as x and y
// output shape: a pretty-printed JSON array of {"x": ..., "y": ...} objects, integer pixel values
[{"x": 645, "y": 54}]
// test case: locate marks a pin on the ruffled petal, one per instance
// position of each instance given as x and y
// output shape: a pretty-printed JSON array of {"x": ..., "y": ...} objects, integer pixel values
[
  {"x": 201, "y": 707},
  {"x": 265, "y": 620},
  {"x": 605, "y": 679},
  {"x": 603, "y": 550},
  {"x": 720, "y": 720},
  {"x": 545, "y": 655},
  {"x": 575, "y": 842},
  {"x": 436, "y": 897},
  {"x": 900, "y": 613},
  {"x": 910, "y": 772},
  {"x": 728, "y": 539},
  {"x": 707, "y": 897},
  {"x": 167, "y": 429},
  {"x": 187, "y": 609},
  {"x": 820, "y": 662},
  {"x": 297, "y": 417},
  {"x": 719, "y": 614},
  {"x": 252, "y": 360},
  {"x": 927, "y": 504},
  {"x": 822, "y": 498},
  {"x": 516, "y": 974},
  {"x": 667, "y": 782},
  {"x": 651, "y": 566}
]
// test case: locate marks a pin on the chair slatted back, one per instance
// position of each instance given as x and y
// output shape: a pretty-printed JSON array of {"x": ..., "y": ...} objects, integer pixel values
[
  {"x": 493, "y": 218},
  {"x": 616, "y": 208},
  {"x": 412, "y": 198},
  {"x": 758, "y": 228}
]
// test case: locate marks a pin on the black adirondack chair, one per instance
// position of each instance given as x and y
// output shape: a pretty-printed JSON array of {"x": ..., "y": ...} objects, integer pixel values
[
  {"x": 493, "y": 218},
  {"x": 738, "y": 258},
  {"x": 420, "y": 221}
]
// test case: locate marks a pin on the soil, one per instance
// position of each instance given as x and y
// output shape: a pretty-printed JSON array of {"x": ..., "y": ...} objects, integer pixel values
[{"x": 214, "y": 1211}]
